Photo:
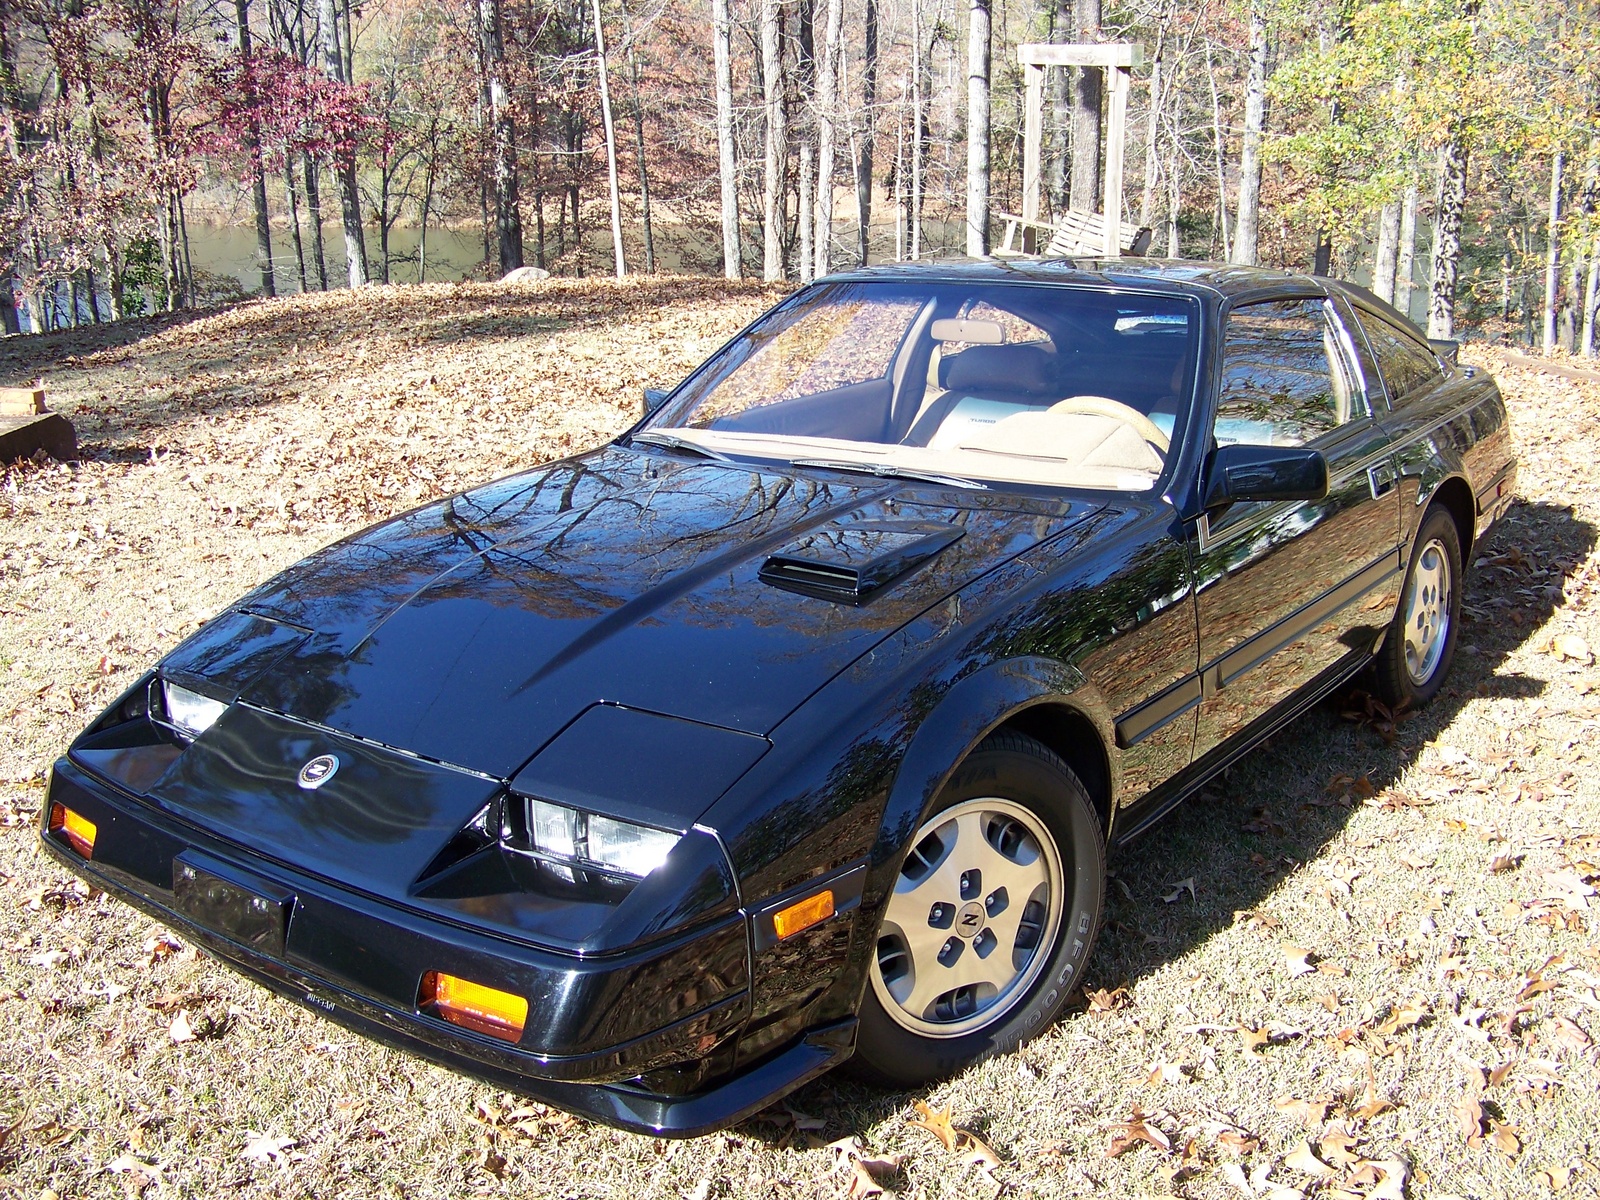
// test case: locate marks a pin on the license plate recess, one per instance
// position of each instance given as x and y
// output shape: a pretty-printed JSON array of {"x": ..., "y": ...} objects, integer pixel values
[{"x": 238, "y": 904}]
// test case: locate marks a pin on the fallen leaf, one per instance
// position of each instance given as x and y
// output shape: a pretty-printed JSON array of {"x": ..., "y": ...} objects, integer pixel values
[
  {"x": 1183, "y": 885},
  {"x": 1501, "y": 863},
  {"x": 1253, "y": 1039},
  {"x": 1304, "y": 1160},
  {"x": 975, "y": 1150},
  {"x": 1555, "y": 1178},
  {"x": 1309, "y": 1113},
  {"x": 264, "y": 1147},
  {"x": 1296, "y": 958},
  {"x": 1236, "y": 1141},
  {"x": 181, "y": 1030},
  {"x": 1127, "y": 1134},
  {"x": 1102, "y": 1001},
  {"x": 1403, "y": 1017},
  {"x": 1571, "y": 647},
  {"x": 1468, "y": 1112},
  {"x": 936, "y": 1122}
]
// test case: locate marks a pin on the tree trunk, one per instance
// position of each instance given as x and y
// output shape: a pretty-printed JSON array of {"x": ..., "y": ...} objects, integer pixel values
[
  {"x": 503, "y": 136},
  {"x": 1452, "y": 202},
  {"x": 1591, "y": 298},
  {"x": 979, "y": 47},
  {"x": 618, "y": 261},
  {"x": 1388, "y": 252},
  {"x": 727, "y": 168},
  {"x": 917, "y": 130},
  {"x": 1406, "y": 255},
  {"x": 1147, "y": 199},
  {"x": 293, "y": 199},
  {"x": 258, "y": 176},
  {"x": 827, "y": 117},
  {"x": 806, "y": 261},
  {"x": 1174, "y": 203},
  {"x": 638, "y": 130},
  {"x": 314, "y": 212},
  {"x": 777, "y": 147},
  {"x": 1221, "y": 167},
  {"x": 1552, "y": 259},
  {"x": 1086, "y": 89},
  {"x": 355, "y": 250},
  {"x": 869, "y": 99},
  {"x": 1246, "y": 237}
]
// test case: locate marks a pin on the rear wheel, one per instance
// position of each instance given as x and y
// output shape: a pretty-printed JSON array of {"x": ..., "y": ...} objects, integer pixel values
[
  {"x": 1421, "y": 643},
  {"x": 993, "y": 915}
]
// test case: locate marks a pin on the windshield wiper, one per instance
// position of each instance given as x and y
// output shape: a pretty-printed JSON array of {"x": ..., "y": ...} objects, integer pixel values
[
  {"x": 656, "y": 437},
  {"x": 890, "y": 471}
]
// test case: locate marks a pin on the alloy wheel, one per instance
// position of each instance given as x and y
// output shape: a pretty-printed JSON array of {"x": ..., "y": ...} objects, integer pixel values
[
  {"x": 975, "y": 912},
  {"x": 1427, "y": 612}
]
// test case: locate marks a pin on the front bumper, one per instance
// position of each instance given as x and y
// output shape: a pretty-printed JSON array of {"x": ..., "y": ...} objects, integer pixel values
[{"x": 360, "y": 961}]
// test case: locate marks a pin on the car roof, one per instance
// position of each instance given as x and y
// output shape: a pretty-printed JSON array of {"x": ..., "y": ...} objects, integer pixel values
[{"x": 1154, "y": 274}]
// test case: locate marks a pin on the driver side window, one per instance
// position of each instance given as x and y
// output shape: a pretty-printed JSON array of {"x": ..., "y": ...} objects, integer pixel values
[{"x": 1284, "y": 380}]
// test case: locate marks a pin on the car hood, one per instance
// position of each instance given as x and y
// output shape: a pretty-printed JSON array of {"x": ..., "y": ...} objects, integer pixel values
[{"x": 472, "y": 631}]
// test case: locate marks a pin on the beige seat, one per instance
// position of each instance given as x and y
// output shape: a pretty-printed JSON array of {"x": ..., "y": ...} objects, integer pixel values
[{"x": 1074, "y": 439}]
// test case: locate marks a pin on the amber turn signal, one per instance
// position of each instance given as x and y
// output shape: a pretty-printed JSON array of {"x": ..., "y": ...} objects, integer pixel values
[
  {"x": 473, "y": 1006},
  {"x": 77, "y": 831},
  {"x": 803, "y": 914}
]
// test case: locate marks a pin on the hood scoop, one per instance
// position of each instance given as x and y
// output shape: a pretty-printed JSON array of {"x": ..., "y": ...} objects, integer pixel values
[{"x": 851, "y": 563}]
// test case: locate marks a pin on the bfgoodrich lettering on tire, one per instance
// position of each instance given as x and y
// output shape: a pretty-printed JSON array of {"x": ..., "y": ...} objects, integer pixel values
[{"x": 993, "y": 915}]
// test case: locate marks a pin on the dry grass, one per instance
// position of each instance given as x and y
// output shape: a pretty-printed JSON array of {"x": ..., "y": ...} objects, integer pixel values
[{"x": 1433, "y": 873}]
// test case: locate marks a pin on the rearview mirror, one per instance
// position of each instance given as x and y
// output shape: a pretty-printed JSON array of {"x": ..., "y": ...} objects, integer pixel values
[
  {"x": 654, "y": 398},
  {"x": 1265, "y": 473}
]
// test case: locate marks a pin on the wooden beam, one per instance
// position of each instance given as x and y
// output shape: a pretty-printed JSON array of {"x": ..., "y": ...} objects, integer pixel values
[
  {"x": 22, "y": 401},
  {"x": 1116, "y": 138},
  {"x": 1033, "y": 119},
  {"x": 1086, "y": 54}
]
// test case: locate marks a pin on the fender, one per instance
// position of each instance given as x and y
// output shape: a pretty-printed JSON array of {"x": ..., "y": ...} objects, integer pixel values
[{"x": 974, "y": 708}]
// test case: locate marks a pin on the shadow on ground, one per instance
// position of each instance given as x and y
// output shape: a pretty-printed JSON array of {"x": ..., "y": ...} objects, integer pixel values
[{"x": 1273, "y": 811}]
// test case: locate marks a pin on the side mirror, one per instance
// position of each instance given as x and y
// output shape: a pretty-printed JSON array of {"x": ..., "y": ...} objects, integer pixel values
[
  {"x": 1447, "y": 350},
  {"x": 654, "y": 398},
  {"x": 1265, "y": 473}
]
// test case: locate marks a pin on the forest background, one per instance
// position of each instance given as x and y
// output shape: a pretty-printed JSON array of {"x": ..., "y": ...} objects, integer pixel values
[{"x": 1446, "y": 152}]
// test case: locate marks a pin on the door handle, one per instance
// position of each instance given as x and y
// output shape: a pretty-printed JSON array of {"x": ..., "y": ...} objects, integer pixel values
[{"x": 1381, "y": 479}]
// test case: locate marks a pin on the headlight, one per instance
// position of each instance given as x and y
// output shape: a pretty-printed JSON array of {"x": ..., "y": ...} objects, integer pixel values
[
  {"x": 189, "y": 712},
  {"x": 586, "y": 838}
]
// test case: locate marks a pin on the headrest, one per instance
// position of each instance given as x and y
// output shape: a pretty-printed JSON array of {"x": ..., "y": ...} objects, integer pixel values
[{"x": 1025, "y": 370}]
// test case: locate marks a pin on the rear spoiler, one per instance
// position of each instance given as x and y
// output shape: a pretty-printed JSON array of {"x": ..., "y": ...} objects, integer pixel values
[{"x": 1446, "y": 349}]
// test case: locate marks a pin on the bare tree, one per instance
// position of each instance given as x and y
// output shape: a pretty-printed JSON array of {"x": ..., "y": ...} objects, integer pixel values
[
  {"x": 1552, "y": 261},
  {"x": 1406, "y": 255},
  {"x": 1388, "y": 251},
  {"x": 869, "y": 98},
  {"x": 1246, "y": 235},
  {"x": 618, "y": 261},
  {"x": 827, "y": 117},
  {"x": 258, "y": 177},
  {"x": 502, "y": 135},
  {"x": 979, "y": 45},
  {"x": 1450, "y": 205},
  {"x": 638, "y": 130},
  {"x": 777, "y": 147},
  {"x": 722, "y": 54},
  {"x": 355, "y": 248},
  {"x": 1086, "y": 85}
]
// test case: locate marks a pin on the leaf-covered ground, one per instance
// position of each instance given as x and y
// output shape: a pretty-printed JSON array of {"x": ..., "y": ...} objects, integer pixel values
[{"x": 1366, "y": 963}]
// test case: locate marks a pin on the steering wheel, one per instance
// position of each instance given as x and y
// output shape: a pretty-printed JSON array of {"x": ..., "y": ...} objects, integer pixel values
[{"x": 1104, "y": 406}]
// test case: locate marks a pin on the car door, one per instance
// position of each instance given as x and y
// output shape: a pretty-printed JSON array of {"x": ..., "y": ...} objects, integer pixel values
[{"x": 1287, "y": 590}]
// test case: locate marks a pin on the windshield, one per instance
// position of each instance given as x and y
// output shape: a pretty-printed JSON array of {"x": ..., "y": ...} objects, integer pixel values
[{"x": 963, "y": 383}]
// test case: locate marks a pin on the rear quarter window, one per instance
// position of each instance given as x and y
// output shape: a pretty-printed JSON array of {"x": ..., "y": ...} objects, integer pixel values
[{"x": 1407, "y": 366}]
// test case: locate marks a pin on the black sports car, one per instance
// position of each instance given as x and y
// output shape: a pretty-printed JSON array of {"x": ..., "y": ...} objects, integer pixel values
[{"x": 794, "y": 725}]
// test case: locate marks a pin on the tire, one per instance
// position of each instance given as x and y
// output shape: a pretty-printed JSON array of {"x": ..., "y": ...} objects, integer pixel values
[
  {"x": 1015, "y": 811},
  {"x": 1421, "y": 643}
]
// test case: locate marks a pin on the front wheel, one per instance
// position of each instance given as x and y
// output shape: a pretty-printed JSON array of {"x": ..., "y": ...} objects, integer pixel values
[
  {"x": 1417, "y": 652},
  {"x": 992, "y": 918}
]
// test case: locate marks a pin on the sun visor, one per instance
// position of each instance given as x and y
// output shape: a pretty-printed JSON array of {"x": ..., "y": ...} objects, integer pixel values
[{"x": 639, "y": 766}]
